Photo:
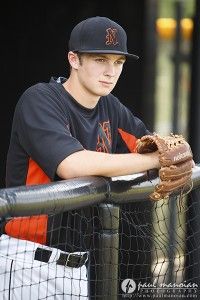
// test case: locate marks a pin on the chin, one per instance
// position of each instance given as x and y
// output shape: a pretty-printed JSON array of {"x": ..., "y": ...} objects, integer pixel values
[{"x": 104, "y": 92}]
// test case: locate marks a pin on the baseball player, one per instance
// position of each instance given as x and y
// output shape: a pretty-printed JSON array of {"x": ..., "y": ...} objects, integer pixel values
[{"x": 75, "y": 126}]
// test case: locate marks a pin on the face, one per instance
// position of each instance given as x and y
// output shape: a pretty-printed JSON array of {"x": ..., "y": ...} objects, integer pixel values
[{"x": 98, "y": 73}]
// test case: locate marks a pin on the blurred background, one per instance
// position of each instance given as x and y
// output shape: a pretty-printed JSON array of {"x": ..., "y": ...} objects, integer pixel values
[{"x": 162, "y": 87}]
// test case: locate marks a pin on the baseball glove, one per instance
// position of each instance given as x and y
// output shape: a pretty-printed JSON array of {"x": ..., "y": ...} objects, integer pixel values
[{"x": 176, "y": 162}]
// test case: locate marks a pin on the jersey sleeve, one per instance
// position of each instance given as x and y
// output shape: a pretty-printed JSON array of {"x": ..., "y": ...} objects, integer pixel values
[
  {"x": 44, "y": 130},
  {"x": 130, "y": 128}
]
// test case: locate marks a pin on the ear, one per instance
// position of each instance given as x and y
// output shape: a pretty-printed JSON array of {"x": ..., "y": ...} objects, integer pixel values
[{"x": 73, "y": 60}]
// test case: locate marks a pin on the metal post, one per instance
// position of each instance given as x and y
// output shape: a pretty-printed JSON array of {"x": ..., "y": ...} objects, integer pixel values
[
  {"x": 107, "y": 269},
  {"x": 172, "y": 238},
  {"x": 177, "y": 62},
  {"x": 194, "y": 120},
  {"x": 193, "y": 213},
  {"x": 175, "y": 129}
]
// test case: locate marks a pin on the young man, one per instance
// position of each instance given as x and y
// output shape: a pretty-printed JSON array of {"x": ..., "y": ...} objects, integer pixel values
[{"x": 74, "y": 126}]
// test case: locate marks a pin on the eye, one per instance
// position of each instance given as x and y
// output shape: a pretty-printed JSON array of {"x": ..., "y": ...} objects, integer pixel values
[
  {"x": 100, "y": 60},
  {"x": 120, "y": 62}
]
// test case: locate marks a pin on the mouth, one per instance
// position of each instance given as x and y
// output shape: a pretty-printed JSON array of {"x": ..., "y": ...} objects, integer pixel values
[{"x": 106, "y": 83}]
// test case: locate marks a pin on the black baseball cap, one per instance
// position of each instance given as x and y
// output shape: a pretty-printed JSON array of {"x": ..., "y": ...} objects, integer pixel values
[{"x": 99, "y": 35}]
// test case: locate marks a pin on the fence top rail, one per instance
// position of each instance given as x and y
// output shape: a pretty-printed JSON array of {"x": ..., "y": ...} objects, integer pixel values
[{"x": 76, "y": 193}]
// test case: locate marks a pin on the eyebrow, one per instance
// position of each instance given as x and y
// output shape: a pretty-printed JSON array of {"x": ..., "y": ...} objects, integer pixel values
[{"x": 121, "y": 57}]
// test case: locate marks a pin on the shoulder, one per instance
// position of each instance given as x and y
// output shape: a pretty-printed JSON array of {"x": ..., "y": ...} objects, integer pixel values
[
  {"x": 117, "y": 106},
  {"x": 41, "y": 93},
  {"x": 112, "y": 102},
  {"x": 126, "y": 117},
  {"x": 41, "y": 103},
  {"x": 37, "y": 89},
  {"x": 41, "y": 98},
  {"x": 113, "y": 99}
]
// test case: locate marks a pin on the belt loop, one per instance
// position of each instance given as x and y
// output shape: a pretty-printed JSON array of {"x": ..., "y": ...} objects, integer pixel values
[{"x": 42, "y": 254}]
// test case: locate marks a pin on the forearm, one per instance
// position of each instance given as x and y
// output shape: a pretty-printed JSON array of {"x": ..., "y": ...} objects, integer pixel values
[{"x": 86, "y": 163}]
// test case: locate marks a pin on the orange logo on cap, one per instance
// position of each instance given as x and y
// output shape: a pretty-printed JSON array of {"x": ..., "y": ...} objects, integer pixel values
[{"x": 111, "y": 37}]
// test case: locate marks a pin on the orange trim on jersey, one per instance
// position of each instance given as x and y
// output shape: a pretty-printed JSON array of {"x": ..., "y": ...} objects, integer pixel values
[
  {"x": 35, "y": 174},
  {"x": 129, "y": 139},
  {"x": 33, "y": 228}
]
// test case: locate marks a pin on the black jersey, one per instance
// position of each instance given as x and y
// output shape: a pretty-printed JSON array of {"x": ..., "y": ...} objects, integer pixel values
[{"x": 49, "y": 125}]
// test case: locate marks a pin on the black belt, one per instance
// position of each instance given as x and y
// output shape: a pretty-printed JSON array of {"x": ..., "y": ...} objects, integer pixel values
[{"x": 71, "y": 260}]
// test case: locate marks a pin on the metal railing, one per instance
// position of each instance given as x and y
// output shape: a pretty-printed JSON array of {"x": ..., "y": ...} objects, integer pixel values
[{"x": 80, "y": 192}]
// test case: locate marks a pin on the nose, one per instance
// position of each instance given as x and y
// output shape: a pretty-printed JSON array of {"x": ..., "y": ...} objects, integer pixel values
[{"x": 110, "y": 70}]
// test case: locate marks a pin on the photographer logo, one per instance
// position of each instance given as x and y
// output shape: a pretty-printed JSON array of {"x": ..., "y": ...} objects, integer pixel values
[{"x": 128, "y": 286}]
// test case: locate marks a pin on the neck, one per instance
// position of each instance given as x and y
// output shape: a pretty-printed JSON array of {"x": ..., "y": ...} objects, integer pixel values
[{"x": 81, "y": 95}]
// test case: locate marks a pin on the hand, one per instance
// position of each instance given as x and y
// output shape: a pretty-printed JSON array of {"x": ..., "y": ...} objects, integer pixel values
[{"x": 176, "y": 162}]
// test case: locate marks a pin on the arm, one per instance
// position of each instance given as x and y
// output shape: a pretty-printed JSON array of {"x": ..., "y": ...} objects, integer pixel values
[{"x": 86, "y": 163}]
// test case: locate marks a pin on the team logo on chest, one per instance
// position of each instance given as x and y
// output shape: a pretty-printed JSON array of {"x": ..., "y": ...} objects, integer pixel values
[
  {"x": 104, "y": 141},
  {"x": 111, "y": 36}
]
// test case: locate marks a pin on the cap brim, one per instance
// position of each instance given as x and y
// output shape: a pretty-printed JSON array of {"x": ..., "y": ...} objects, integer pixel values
[{"x": 109, "y": 52}]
